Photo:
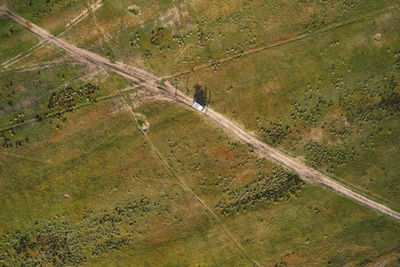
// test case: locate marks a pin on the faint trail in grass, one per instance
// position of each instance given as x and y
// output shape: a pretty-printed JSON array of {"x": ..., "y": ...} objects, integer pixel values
[
  {"x": 78, "y": 106},
  {"x": 4, "y": 178},
  {"x": 82, "y": 16},
  {"x": 44, "y": 65},
  {"x": 21, "y": 56},
  {"x": 105, "y": 36},
  {"x": 293, "y": 39},
  {"x": 33, "y": 159}
]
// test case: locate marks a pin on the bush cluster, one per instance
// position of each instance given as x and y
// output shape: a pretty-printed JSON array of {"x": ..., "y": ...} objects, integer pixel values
[
  {"x": 279, "y": 185},
  {"x": 311, "y": 110},
  {"x": 68, "y": 97},
  {"x": 320, "y": 155},
  {"x": 275, "y": 133},
  {"x": 63, "y": 243},
  {"x": 42, "y": 8},
  {"x": 5, "y": 142},
  {"x": 371, "y": 102}
]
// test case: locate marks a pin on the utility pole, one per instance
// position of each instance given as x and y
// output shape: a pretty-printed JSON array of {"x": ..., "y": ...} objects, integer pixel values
[{"x": 208, "y": 99}]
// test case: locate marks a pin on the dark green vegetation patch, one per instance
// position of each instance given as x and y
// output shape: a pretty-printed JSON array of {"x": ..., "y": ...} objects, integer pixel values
[
  {"x": 60, "y": 242},
  {"x": 277, "y": 186}
]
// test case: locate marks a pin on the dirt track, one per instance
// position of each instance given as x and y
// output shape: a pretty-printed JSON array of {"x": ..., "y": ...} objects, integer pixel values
[
  {"x": 144, "y": 78},
  {"x": 72, "y": 23}
]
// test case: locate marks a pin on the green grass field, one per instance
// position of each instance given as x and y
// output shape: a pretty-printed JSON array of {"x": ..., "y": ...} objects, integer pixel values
[
  {"x": 14, "y": 40},
  {"x": 169, "y": 37},
  {"x": 124, "y": 206},
  {"x": 340, "y": 113},
  {"x": 321, "y": 112},
  {"x": 81, "y": 185},
  {"x": 55, "y": 15}
]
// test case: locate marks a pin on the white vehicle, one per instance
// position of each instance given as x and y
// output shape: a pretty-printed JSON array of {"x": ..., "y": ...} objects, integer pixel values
[{"x": 198, "y": 107}]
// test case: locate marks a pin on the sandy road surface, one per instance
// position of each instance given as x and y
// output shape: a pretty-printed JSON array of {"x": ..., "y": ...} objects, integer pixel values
[{"x": 149, "y": 80}]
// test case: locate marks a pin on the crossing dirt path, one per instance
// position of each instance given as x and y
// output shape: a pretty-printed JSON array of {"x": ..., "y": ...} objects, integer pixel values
[{"x": 144, "y": 78}]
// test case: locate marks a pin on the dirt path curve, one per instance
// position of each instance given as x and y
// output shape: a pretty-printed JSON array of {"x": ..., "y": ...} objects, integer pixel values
[{"x": 144, "y": 78}]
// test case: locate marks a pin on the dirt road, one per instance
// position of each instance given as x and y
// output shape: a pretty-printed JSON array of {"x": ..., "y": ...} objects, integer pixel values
[
  {"x": 8, "y": 63},
  {"x": 141, "y": 77}
]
